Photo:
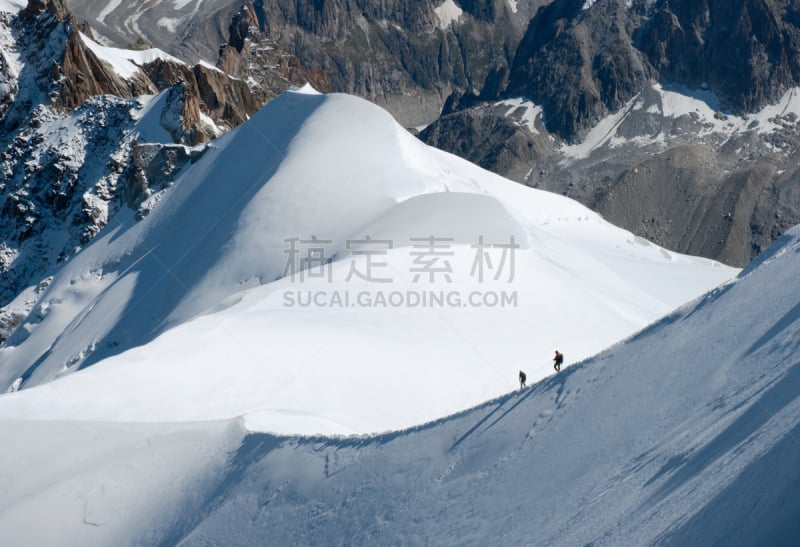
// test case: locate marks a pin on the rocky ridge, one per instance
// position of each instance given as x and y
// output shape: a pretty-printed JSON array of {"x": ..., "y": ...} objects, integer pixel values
[
  {"x": 406, "y": 56},
  {"x": 582, "y": 61},
  {"x": 85, "y": 138}
]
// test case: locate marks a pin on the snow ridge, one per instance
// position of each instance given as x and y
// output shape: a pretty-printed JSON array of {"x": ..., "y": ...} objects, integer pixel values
[
  {"x": 685, "y": 434},
  {"x": 210, "y": 277}
]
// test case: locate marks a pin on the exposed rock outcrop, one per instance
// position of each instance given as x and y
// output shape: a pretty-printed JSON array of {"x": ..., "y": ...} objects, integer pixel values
[
  {"x": 579, "y": 64},
  {"x": 261, "y": 62},
  {"x": 685, "y": 180},
  {"x": 36, "y": 8},
  {"x": 83, "y": 75},
  {"x": 746, "y": 51},
  {"x": 75, "y": 73},
  {"x": 406, "y": 56},
  {"x": 582, "y": 63},
  {"x": 69, "y": 156}
]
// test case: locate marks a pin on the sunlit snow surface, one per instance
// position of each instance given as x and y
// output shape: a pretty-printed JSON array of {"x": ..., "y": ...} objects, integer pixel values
[
  {"x": 686, "y": 434},
  {"x": 193, "y": 314}
]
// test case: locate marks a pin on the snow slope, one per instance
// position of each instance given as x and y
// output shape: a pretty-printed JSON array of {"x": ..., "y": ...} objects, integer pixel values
[
  {"x": 190, "y": 316},
  {"x": 685, "y": 434}
]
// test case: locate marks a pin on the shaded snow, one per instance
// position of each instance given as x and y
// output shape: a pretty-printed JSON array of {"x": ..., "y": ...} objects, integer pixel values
[
  {"x": 685, "y": 434},
  {"x": 89, "y": 493},
  {"x": 148, "y": 118}
]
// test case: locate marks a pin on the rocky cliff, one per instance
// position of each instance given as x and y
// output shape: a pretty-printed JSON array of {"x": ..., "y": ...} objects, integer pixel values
[
  {"x": 667, "y": 165},
  {"x": 260, "y": 62},
  {"x": 72, "y": 152},
  {"x": 745, "y": 51},
  {"x": 583, "y": 60},
  {"x": 407, "y": 56},
  {"x": 656, "y": 114}
]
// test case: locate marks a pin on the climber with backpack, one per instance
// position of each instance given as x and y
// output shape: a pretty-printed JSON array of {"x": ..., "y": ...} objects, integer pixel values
[{"x": 558, "y": 360}]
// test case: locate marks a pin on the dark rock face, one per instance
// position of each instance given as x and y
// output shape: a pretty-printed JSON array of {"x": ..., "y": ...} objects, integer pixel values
[
  {"x": 582, "y": 64},
  {"x": 683, "y": 181},
  {"x": 35, "y": 8},
  {"x": 747, "y": 51},
  {"x": 578, "y": 65},
  {"x": 261, "y": 65},
  {"x": 397, "y": 53},
  {"x": 492, "y": 136}
]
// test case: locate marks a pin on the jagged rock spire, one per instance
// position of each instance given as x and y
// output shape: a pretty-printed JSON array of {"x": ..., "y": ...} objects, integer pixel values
[{"x": 53, "y": 7}]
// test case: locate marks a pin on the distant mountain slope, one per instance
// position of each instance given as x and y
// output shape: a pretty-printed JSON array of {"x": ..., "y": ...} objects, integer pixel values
[
  {"x": 190, "y": 29},
  {"x": 406, "y": 56},
  {"x": 581, "y": 66},
  {"x": 676, "y": 120},
  {"x": 583, "y": 60}
]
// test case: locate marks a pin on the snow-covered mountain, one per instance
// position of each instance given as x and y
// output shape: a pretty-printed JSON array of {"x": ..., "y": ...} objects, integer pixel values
[
  {"x": 216, "y": 348},
  {"x": 88, "y": 130},
  {"x": 684, "y": 434},
  {"x": 445, "y": 280},
  {"x": 687, "y": 434}
]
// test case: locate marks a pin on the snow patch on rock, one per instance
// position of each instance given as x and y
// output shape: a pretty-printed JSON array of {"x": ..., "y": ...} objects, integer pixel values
[{"x": 448, "y": 13}]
